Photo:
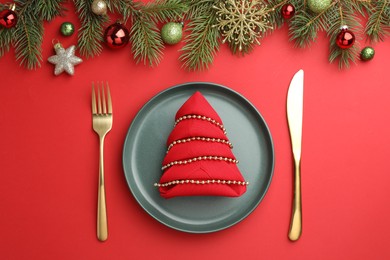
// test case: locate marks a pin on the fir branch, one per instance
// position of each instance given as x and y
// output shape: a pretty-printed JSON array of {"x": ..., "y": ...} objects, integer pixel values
[
  {"x": 197, "y": 8},
  {"x": 202, "y": 42},
  {"x": 5, "y": 40},
  {"x": 48, "y": 9},
  {"x": 275, "y": 8},
  {"x": 275, "y": 12},
  {"x": 338, "y": 16},
  {"x": 305, "y": 26},
  {"x": 29, "y": 37},
  {"x": 146, "y": 41},
  {"x": 362, "y": 6},
  {"x": 127, "y": 8},
  {"x": 378, "y": 24},
  {"x": 165, "y": 10},
  {"x": 90, "y": 36}
]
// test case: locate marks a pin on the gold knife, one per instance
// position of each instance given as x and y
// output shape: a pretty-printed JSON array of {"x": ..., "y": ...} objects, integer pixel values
[{"x": 294, "y": 116}]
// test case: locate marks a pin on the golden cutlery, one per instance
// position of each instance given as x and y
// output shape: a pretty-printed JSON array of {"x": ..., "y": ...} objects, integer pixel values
[
  {"x": 294, "y": 116},
  {"x": 102, "y": 123}
]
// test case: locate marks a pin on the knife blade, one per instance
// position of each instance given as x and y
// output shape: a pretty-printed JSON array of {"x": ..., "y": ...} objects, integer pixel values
[{"x": 294, "y": 117}]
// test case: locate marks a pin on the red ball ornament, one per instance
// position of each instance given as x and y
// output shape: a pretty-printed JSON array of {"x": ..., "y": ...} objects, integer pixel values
[
  {"x": 345, "y": 39},
  {"x": 8, "y": 17},
  {"x": 288, "y": 11},
  {"x": 116, "y": 36}
]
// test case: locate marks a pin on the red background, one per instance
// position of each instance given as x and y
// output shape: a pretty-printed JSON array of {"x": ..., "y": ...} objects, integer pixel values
[{"x": 49, "y": 156}]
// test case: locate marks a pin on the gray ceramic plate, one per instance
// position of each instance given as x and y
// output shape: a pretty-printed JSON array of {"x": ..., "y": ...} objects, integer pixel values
[{"x": 145, "y": 147}]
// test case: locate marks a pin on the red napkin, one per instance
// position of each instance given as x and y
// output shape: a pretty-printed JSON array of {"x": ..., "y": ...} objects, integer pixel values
[{"x": 199, "y": 160}]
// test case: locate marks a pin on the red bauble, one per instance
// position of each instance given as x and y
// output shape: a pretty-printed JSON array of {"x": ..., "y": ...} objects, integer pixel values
[
  {"x": 8, "y": 18},
  {"x": 116, "y": 36},
  {"x": 345, "y": 39},
  {"x": 288, "y": 11}
]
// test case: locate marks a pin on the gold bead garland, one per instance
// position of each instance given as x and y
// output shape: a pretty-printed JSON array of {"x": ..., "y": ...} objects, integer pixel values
[
  {"x": 200, "y": 158},
  {"x": 201, "y": 182},
  {"x": 198, "y": 138},
  {"x": 213, "y": 121}
]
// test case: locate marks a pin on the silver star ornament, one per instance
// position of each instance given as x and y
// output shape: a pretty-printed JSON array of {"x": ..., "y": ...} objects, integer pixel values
[{"x": 65, "y": 60}]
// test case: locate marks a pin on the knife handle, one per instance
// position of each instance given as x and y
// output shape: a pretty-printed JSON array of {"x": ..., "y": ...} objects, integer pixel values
[{"x": 296, "y": 216}]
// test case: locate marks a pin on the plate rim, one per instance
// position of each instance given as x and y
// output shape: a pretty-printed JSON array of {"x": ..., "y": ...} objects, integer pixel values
[{"x": 188, "y": 85}]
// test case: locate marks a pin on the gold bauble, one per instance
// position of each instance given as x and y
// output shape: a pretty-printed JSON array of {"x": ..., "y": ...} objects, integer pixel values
[{"x": 99, "y": 7}]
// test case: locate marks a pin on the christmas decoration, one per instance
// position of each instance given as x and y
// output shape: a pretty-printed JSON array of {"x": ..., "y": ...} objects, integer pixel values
[
  {"x": 345, "y": 38},
  {"x": 8, "y": 17},
  {"x": 67, "y": 29},
  {"x": 241, "y": 22},
  {"x": 99, "y": 7},
  {"x": 199, "y": 160},
  {"x": 65, "y": 60},
  {"x": 171, "y": 33},
  {"x": 116, "y": 36},
  {"x": 318, "y": 6},
  {"x": 288, "y": 11},
  {"x": 367, "y": 53},
  {"x": 204, "y": 29}
]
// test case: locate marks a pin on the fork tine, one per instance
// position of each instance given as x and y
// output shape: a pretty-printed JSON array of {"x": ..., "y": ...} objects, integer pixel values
[
  {"x": 93, "y": 99},
  {"x": 109, "y": 103},
  {"x": 104, "y": 100},
  {"x": 99, "y": 100}
]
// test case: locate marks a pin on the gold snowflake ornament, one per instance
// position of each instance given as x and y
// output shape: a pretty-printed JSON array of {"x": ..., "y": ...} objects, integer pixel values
[{"x": 242, "y": 22}]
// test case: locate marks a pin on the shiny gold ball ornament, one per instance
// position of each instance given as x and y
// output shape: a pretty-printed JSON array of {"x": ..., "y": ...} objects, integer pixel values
[
  {"x": 171, "y": 33},
  {"x": 367, "y": 53},
  {"x": 99, "y": 7},
  {"x": 318, "y": 6}
]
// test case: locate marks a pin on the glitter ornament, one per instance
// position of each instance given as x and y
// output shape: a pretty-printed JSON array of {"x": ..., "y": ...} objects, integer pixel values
[
  {"x": 367, "y": 53},
  {"x": 171, "y": 33},
  {"x": 65, "y": 60},
  {"x": 288, "y": 11},
  {"x": 99, "y": 7},
  {"x": 242, "y": 22},
  {"x": 8, "y": 17},
  {"x": 67, "y": 29},
  {"x": 345, "y": 39},
  {"x": 116, "y": 36},
  {"x": 318, "y": 6}
]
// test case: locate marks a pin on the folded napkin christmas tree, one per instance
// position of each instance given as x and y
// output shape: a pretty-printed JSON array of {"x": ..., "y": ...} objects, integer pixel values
[{"x": 199, "y": 160}]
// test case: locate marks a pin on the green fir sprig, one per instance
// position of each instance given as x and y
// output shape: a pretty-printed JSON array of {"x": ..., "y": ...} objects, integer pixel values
[
  {"x": 146, "y": 41},
  {"x": 5, "y": 37},
  {"x": 339, "y": 15},
  {"x": 378, "y": 24},
  {"x": 202, "y": 41},
  {"x": 48, "y": 10},
  {"x": 90, "y": 36}
]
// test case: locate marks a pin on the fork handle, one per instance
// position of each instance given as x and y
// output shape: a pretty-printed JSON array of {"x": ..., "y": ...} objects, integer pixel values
[
  {"x": 296, "y": 217},
  {"x": 102, "y": 230}
]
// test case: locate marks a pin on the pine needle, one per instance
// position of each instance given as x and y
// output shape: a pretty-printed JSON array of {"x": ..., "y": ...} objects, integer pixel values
[
  {"x": 165, "y": 10},
  {"x": 378, "y": 24},
  {"x": 146, "y": 41},
  {"x": 28, "y": 36},
  {"x": 47, "y": 10},
  {"x": 202, "y": 43},
  {"x": 90, "y": 35},
  {"x": 5, "y": 40},
  {"x": 340, "y": 15}
]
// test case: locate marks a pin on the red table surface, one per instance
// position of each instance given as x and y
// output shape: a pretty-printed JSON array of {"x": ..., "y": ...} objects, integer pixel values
[{"x": 49, "y": 156}]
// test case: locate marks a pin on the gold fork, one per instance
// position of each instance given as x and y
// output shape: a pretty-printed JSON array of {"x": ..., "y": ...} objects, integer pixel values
[{"x": 102, "y": 123}]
